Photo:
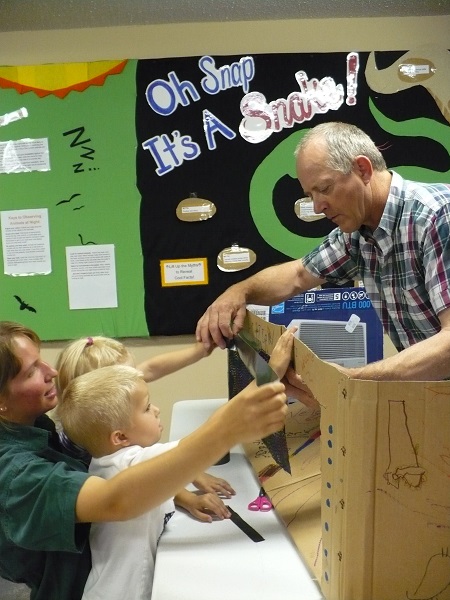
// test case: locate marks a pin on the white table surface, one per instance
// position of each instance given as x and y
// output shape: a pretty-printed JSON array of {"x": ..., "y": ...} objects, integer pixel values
[{"x": 217, "y": 561}]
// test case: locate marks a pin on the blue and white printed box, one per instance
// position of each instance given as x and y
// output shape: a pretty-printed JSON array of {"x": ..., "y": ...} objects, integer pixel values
[{"x": 340, "y": 325}]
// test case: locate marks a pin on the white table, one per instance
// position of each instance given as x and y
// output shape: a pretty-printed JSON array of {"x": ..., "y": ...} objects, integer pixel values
[{"x": 218, "y": 561}]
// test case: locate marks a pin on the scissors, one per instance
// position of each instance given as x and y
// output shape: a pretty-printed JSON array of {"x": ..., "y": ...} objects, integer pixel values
[{"x": 261, "y": 503}]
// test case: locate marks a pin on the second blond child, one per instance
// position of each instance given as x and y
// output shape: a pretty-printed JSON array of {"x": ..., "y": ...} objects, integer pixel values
[{"x": 87, "y": 354}]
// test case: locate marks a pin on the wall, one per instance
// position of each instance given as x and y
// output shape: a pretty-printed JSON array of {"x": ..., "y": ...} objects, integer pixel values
[
  {"x": 209, "y": 380},
  {"x": 323, "y": 35}
]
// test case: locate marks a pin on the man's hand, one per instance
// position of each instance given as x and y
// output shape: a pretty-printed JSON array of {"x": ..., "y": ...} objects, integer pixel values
[{"x": 223, "y": 319}]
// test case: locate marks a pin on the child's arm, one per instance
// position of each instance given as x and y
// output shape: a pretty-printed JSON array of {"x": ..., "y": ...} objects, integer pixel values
[
  {"x": 208, "y": 483},
  {"x": 202, "y": 506},
  {"x": 253, "y": 413},
  {"x": 169, "y": 362}
]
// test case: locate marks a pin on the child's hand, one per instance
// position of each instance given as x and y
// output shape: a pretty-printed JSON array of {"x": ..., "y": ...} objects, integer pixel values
[
  {"x": 208, "y": 483},
  {"x": 203, "y": 506},
  {"x": 254, "y": 413},
  {"x": 282, "y": 352}
]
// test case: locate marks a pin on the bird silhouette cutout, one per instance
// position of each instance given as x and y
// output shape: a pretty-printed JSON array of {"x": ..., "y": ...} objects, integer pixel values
[
  {"x": 24, "y": 305},
  {"x": 67, "y": 200}
]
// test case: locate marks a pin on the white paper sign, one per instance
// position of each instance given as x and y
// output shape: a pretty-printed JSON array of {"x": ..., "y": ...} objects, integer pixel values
[
  {"x": 91, "y": 276},
  {"x": 23, "y": 156},
  {"x": 26, "y": 243}
]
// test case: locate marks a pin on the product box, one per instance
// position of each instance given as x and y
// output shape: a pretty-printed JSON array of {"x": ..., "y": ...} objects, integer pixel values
[
  {"x": 340, "y": 325},
  {"x": 367, "y": 501}
]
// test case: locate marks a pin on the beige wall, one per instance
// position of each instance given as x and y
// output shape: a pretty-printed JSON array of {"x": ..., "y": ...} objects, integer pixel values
[
  {"x": 208, "y": 378},
  {"x": 310, "y": 35}
]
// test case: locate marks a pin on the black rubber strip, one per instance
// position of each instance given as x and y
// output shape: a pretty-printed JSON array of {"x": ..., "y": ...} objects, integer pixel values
[{"x": 245, "y": 527}]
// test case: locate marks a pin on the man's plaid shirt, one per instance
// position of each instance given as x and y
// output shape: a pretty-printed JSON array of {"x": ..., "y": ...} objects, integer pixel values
[{"x": 404, "y": 263}]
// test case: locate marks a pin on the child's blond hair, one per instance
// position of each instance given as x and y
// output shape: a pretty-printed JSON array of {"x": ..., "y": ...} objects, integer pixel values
[
  {"x": 97, "y": 403},
  {"x": 87, "y": 354}
]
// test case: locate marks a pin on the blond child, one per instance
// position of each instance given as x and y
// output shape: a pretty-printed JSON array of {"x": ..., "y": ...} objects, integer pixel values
[
  {"x": 87, "y": 354},
  {"x": 108, "y": 412}
]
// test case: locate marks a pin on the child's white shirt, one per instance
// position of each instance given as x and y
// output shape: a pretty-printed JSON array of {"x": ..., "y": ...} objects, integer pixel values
[{"x": 123, "y": 553}]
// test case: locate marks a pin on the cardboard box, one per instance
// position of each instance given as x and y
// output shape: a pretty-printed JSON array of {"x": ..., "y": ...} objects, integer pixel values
[{"x": 384, "y": 527}]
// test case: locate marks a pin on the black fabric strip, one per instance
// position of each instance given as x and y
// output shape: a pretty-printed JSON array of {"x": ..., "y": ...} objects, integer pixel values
[{"x": 245, "y": 527}]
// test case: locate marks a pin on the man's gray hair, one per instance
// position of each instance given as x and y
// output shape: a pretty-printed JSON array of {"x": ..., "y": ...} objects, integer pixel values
[{"x": 344, "y": 143}]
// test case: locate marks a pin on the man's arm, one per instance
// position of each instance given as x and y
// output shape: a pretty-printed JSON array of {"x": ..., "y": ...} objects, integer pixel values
[
  {"x": 252, "y": 414},
  {"x": 164, "y": 364},
  {"x": 225, "y": 317},
  {"x": 428, "y": 360}
]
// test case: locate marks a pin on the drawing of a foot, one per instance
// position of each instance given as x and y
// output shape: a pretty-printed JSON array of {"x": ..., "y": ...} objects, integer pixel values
[{"x": 403, "y": 462}]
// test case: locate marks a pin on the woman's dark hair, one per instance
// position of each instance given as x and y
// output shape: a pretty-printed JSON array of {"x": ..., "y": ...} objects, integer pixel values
[{"x": 10, "y": 365}]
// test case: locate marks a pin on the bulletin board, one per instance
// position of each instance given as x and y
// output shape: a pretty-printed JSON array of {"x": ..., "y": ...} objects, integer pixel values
[{"x": 132, "y": 193}]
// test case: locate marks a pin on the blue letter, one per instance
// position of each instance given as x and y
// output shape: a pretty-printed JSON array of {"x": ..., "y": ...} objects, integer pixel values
[
  {"x": 211, "y": 124},
  {"x": 164, "y": 96},
  {"x": 204, "y": 83}
]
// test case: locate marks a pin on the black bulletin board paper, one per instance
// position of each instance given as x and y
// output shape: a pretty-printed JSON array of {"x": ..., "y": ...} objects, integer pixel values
[{"x": 177, "y": 129}]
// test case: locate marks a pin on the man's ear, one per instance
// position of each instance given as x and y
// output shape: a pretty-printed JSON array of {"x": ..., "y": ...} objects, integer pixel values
[
  {"x": 119, "y": 439},
  {"x": 364, "y": 168}
]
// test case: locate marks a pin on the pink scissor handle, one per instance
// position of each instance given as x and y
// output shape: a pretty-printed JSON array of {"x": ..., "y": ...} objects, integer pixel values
[{"x": 261, "y": 503}]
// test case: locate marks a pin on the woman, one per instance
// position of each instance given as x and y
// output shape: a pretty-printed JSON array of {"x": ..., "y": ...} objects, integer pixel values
[{"x": 47, "y": 499}]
